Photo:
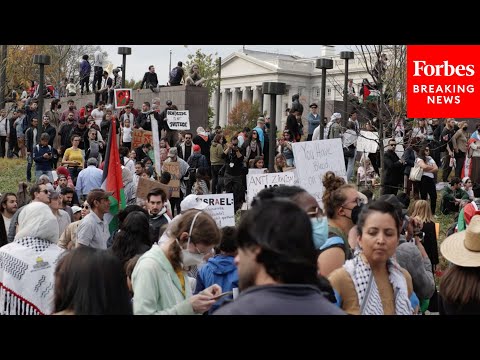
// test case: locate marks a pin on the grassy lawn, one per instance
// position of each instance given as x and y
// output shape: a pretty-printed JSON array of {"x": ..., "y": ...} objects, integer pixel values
[{"x": 12, "y": 171}]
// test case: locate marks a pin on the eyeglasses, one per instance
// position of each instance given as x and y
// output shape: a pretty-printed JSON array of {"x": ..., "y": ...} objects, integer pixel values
[
  {"x": 44, "y": 191},
  {"x": 358, "y": 201},
  {"x": 392, "y": 145},
  {"x": 85, "y": 207}
]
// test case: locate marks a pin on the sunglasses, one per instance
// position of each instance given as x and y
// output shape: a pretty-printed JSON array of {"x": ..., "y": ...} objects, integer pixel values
[
  {"x": 44, "y": 191},
  {"x": 85, "y": 207}
]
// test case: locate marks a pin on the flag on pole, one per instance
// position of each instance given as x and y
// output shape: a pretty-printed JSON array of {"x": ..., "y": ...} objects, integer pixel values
[{"x": 112, "y": 178}]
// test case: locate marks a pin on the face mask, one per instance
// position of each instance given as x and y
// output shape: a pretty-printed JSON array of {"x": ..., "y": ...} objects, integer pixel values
[
  {"x": 189, "y": 258},
  {"x": 356, "y": 212},
  {"x": 320, "y": 231}
]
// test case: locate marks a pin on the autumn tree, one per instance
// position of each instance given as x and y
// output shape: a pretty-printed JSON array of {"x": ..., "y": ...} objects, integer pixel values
[
  {"x": 208, "y": 66},
  {"x": 132, "y": 84},
  {"x": 244, "y": 114}
]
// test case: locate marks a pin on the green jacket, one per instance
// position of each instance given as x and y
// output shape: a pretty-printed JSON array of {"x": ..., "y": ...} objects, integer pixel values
[
  {"x": 449, "y": 195},
  {"x": 156, "y": 286}
]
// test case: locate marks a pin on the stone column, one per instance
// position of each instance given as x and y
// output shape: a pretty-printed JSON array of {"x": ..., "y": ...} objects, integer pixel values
[
  {"x": 223, "y": 107},
  {"x": 245, "y": 93},
  {"x": 256, "y": 95},
  {"x": 234, "y": 98},
  {"x": 213, "y": 104},
  {"x": 279, "y": 113},
  {"x": 266, "y": 104}
]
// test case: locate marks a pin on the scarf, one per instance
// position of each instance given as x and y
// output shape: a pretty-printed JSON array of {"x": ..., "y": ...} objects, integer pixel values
[
  {"x": 367, "y": 290},
  {"x": 27, "y": 268}
]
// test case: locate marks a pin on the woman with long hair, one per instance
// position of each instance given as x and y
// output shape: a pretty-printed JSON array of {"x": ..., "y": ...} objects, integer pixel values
[
  {"x": 427, "y": 184},
  {"x": 422, "y": 212},
  {"x": 252, "y": 146},
  {"x": 372, "y": 283},
  {"x": 159, "y": 282},
  {"x": 91, "y": 281}
]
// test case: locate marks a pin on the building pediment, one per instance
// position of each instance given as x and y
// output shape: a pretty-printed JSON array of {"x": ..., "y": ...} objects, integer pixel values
[{"x": 238, "y": 64}]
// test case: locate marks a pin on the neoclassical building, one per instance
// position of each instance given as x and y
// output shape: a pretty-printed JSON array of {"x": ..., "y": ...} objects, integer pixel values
[{"x": 244, "y": 72}]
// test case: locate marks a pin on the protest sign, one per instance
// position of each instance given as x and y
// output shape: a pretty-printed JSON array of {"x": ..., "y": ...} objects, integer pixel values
[
  {"x": 313, "y": 159},
  {"x": 220, "y": 207},
  {"x": 257, "y": 171},
  {"x": 122, "y": 97},
  {"x": 145, "y": 185},
  {"x": 258, "y": 182},
  {"x": 178, "y": 119},
  {"x": 367, "y": 142},
  {"x": 174, "y": 169},
  {"x": 140, "y": 137}
]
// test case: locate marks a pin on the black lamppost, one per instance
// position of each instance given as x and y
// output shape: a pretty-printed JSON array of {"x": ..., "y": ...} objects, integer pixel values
[
  {"x": 345, "y": 55},
  {"x": 124, "y": 51},
  {"x": 217, "y": 110},
  {"x": 41, "y": 60},
  {"x": 170, "y": 62},
  {"x": 273, "y": 89},
  {"x": 323, "y": 64}
]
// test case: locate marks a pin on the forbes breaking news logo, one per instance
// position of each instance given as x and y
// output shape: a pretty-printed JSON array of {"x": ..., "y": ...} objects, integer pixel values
[{"x": 442, "y": 81}]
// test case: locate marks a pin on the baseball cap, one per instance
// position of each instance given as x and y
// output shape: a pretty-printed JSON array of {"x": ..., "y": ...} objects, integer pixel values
[
  {"x": 172, "y": 152},
  {"x": 192, "y": 202},
  {"x": 76, "y": 209},
  {"x": 196, "y": 147}
]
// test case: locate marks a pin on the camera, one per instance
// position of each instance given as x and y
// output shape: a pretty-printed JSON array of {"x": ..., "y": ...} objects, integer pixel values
[{"x": 420, "y": 235}]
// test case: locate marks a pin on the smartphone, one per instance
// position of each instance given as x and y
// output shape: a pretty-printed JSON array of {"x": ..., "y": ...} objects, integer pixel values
[{"x": 222, "y": 295}]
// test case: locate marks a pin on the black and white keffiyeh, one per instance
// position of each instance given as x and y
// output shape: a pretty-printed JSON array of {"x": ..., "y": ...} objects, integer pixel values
[{"x": 367, "y": 290}]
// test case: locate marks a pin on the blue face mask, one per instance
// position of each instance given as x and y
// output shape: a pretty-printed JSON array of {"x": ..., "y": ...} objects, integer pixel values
[{"x": 319, "y": 231}]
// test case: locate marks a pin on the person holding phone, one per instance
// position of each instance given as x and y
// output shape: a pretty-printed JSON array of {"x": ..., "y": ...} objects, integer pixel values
[
  {"x": 42, "y": 155},
  {"x": 73, "y": 158}
]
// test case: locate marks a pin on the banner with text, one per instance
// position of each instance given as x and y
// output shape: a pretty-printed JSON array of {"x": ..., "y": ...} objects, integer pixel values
[
  {"x": 220, "y": 207},
  {"x": 313, "y": 159},
  {"x": 140, "y": 137},
  {"x": 178, "y": 119},
  {"x": 258, "y": 182},
  {"x": 174, "y": 169},
  {"x": 442, "y": 81}
]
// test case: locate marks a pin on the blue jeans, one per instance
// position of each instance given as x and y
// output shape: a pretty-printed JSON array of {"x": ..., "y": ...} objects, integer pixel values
[{"x": 39, "y": 173}]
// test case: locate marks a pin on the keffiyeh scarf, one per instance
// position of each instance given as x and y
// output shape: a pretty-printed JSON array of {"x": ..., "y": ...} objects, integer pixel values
[
  {"x": 27, "y": 268},
  {"x": 367, "y": 290}
]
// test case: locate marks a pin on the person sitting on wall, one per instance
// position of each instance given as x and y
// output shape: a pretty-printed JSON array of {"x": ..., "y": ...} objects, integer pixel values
[{"x": 194, "y": 78}]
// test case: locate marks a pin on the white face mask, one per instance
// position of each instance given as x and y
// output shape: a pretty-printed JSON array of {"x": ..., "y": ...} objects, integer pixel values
[{"x": 189, "y": 258}]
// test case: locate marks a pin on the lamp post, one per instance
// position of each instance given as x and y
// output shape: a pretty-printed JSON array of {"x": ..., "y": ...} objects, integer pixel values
[
  {"x": 345, "y": 55},
  {"x": 170, "y": 63},
  {"x": 41, "y": 60},
  {"x": 273, "y": 89},
  {"x": 124, "y": 51},
  {"x": 217, "y": 110},
  {"x": 323, "y": 64}
]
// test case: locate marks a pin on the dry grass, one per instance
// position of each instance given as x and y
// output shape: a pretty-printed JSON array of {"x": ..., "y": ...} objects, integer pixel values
[{"x": 12, "y": 171}]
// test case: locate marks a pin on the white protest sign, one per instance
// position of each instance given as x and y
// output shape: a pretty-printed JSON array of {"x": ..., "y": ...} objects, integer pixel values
[
  {"x": 220, "y": 207},
  {"x": 313, "y": 159},
  {"x": 367, "y": 142},
  {"x": 178, "y": 119},
  {"x": 398, "y": 149},
  {"x": 257, "y": 171},
  {"x": 258, "y": 182}
]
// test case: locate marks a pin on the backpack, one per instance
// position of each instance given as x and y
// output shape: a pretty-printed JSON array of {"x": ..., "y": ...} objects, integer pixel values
[
  {"x": 192, "y": 170},
  {"x": 175, "y": 76}
]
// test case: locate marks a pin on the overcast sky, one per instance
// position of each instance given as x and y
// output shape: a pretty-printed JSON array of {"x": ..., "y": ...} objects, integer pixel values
[{"x": 159, "y": 55}]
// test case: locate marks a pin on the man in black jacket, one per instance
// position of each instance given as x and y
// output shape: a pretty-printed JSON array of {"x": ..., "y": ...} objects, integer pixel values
[
  {"x": 393, "y": 169},
  {"x": 150, "y": 79},
  {"x": 157, "y": 212}
]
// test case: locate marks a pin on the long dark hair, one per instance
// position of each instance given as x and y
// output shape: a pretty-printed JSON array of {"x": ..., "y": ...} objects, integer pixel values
[
  {"x": 133, "y": 238},
  {"x": 91, "y": 281}
]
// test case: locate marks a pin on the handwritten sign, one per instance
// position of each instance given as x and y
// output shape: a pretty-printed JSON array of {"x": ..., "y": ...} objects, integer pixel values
[
  {"x": 122, "y": 97},
  {"x": 220, "y": 207},
  {"x": 313, "y": 159},
  {"x": 257, "y": 171},
  {"x": 174, "y": 169},
  {"x": 367, "y": 142},
  {"x": 178, "y": 119},
  {"x": 140, "y": 137},
  {"x": 258, "y": 182},
  {"x": 145, "y": 185}
]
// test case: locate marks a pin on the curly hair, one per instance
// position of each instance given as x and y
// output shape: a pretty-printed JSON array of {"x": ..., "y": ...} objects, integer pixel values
[{"x": 334, "y": 194}]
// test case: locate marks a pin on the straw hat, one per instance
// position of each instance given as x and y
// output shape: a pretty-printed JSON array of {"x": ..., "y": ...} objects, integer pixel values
[{"x": 463, "y": 248}]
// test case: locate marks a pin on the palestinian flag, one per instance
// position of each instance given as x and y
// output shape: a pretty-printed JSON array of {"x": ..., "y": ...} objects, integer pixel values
[{"x": 112, "y": 178}]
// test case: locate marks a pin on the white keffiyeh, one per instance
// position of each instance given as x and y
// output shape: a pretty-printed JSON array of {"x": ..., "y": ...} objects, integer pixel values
[{"x": 367, "y": 290}]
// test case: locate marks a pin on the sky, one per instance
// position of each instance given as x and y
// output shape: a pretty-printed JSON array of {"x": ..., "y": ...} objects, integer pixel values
[{"x": 159, "y": 55}]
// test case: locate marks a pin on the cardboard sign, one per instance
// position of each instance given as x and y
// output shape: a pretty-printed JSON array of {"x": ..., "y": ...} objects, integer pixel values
[
  {"x": 145, "y": 185},
  {"x": 367, "y": 142},
  {"x": 122, "y": 97},
  {"x": 257, "y": 171},
  {"x": 313, "y": 159},
  {"x": 140, "y": 137},
  {"x": 220, "y": 207},
  {"x": 178, "y": 119},
  {"x": 258, "y": 182},
  {"x": 174, "y": 169}
]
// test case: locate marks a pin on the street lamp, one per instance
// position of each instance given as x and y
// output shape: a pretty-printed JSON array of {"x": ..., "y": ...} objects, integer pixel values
[
  {"x": 273, "y": 89},
  {"x": 41, "y": 60},
  {"x": 124, "y": 51},
  {"x": 345, "y": 55},
  {"x": 323, "y": 64},
  {"x": 170, "y": 63},
  {"x": 217, "y": 110}
]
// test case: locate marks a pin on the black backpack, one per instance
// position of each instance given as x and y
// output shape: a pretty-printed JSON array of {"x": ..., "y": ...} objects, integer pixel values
[{"x": 175, "y": 76}]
